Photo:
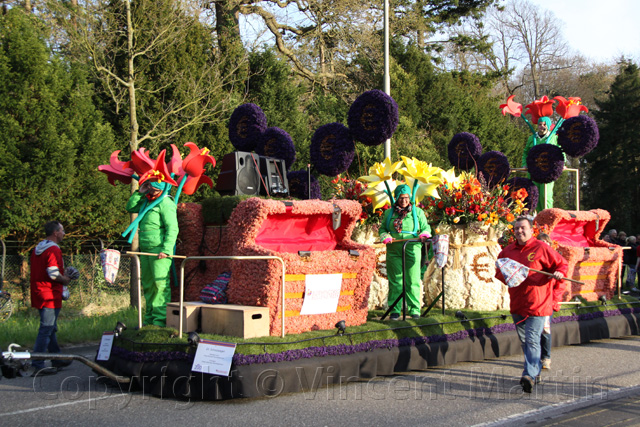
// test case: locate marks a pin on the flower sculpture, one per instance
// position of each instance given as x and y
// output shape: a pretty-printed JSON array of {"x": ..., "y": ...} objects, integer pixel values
[
  {"x": 493, "y": 167},
  {"x": 540, "y": 112},
  {"x": 117, "y": 170},
  {"x": 373, "y": 117},
  {"x": 422, "y": 172},
  {"x": 246, "y": 126},
  {"x": 545, "y": 163},
  {"x": 464, "y": 150},
  {"x": 332, "y": 149},
  {"x": 578, "y": 135},
  {"x": 189, "y": 172},
  {"x": 275, "y": 142},
  {"x": 299, "y": 185}
]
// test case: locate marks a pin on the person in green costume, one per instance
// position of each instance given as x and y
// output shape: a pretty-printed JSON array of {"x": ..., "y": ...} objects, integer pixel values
[
  {"x": 404, "y": 221},
  {"x": 544, "y": 136},
  {"x": 158, "y": 231}
]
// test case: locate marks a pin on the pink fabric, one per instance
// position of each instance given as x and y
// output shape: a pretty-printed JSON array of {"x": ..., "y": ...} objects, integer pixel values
[
  {"x": 571, "y": 233},
  {"x": 293, "y": 233}
]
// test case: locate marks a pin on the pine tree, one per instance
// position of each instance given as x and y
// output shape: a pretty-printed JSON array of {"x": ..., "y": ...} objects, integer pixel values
[{"x": 612, "y": 167}]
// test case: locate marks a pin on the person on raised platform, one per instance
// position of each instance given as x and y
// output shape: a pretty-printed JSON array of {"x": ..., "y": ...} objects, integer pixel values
[
  {"x": 158, "y": 233},
  {"x": 404, "y": 221},
  {"x": 531, "y": 300}
]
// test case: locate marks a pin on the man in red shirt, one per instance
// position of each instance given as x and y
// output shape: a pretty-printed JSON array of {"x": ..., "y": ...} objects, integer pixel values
[
  {"x": 532, "y": 300},
  {"x": 47, "y": 280}
]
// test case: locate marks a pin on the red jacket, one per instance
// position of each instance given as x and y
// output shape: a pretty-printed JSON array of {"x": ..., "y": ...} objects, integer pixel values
[
  {"x": 533, "y": 297},
  {"x": 46, "y": 293}
]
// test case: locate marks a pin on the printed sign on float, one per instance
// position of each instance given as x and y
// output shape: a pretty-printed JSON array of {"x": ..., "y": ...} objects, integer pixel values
[
  {"x": 213, "y": 357},
  {"x": 104, "y": 351},
  {"x": 321, "y": 293}
]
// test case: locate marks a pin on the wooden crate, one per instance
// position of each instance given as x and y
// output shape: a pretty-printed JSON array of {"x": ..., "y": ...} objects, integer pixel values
[
  {"x": 190, "y": 315},
  {"x": 236, "y": 320}
]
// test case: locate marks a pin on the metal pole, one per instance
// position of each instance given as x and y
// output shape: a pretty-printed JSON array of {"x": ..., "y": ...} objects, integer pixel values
[
  {"x": 136, "y": 261},
  {"x": 387, "y": 79},
  {"x": 577, "y": 189}
]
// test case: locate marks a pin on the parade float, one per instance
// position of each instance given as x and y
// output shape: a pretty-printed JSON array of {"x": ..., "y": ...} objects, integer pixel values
[{"x": 316, "y": 238}]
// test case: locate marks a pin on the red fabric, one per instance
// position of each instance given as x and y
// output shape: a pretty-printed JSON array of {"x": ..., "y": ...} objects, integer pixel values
[
  {"x": 534, "y": 296},
  {"x": 557, "y": 290},
  {"x": 571, "y": 233},
  {"x": 46, "y": 293},
  {"x": 293, "y": 233}
]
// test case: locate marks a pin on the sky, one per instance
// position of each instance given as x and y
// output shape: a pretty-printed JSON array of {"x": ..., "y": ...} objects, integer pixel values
[{"x": 602, "y": 30}]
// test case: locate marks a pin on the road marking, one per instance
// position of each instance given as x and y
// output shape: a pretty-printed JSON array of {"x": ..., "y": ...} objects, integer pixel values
[{"x": 25, "y": 411}]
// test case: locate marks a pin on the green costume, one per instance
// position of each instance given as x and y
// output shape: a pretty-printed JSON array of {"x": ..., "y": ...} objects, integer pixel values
[
  {"x": 545, "y": 198},
  {"x": 414, "y": 225},
  {"x": 158, "y": 231}
]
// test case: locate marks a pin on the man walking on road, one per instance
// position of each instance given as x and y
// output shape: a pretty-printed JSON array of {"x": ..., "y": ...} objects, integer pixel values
[
  {"x": 47, "y": 281},
  {"x": 532, "y": 300}
]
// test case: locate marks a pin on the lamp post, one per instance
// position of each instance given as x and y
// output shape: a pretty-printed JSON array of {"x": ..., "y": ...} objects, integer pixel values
[{"x": 387, "y": 80}]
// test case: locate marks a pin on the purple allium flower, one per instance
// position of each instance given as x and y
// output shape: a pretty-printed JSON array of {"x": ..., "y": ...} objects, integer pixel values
[
  {"x": 545, "y": 163},
  {"x": 517, "y": 183},
  {"x": 373, "y": 117},
  {"x": 299, "y": 185},
  {"x": 464, "y": 150},
  {"x": 246, "y": 126},
  {"x": 493, "y": 167},
  {"x": 277, "y": 143},
  {"x": 332, "y": 149},
  {"x": 578, "y": 135}
]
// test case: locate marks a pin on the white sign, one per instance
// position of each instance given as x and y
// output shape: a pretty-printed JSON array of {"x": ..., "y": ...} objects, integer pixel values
[
  {"x": 321, "y": 293},
  {"x": 213, "y": 357},
  {"x": 104, "y": 352}
]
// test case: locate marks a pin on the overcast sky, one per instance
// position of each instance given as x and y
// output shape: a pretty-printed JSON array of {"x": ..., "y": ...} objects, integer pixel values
[{"x": 602, "y": 30}]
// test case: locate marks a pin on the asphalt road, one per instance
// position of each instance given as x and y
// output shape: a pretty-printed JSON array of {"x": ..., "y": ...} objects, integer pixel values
[{"x": 593, "y": 384}]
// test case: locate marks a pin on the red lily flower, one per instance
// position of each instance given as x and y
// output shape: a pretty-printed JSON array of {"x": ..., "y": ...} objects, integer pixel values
[
  {"x": 117, "y": 170},
  {"x": 193, "y": 165},
  {"x": 141, "y": 162},
  {"x": 175, "y": 165},
  {"x": 511, "y": 107},
  {"x": 569, "y": 108},
  {"x": 542, "y": 107},
  {"x": 159, "y": 172}
]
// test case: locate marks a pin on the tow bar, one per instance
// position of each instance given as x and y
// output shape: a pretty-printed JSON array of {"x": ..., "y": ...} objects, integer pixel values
[{"x": 12, "y": 362}]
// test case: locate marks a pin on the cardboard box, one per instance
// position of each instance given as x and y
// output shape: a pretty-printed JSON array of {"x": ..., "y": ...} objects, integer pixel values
[
  {"x": 235, "y": 320},
  {"x": 190, "y": 315}
]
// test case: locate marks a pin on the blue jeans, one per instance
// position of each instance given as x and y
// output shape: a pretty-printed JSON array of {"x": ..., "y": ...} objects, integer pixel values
[
  {"x": 46, "y": 340},
  {"x": 545, "y": 343},
  {"x": 529, "y": 331}
]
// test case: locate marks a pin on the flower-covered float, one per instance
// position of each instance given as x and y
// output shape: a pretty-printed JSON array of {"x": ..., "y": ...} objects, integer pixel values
[{"x": 575, "y": 235}]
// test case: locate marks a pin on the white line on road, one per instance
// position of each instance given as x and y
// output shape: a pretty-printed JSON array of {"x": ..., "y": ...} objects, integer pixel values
[{"x": 39, "y": 408}]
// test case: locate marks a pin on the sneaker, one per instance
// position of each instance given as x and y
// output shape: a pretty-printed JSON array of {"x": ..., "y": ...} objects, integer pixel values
[
  {"x": 415, "y": 316},
  {"x": 60, "y": 363},
  {"x": 539, "y": 379},
  {"x": 44, "y": 372},
  {"x": 635, "y": 290},
  {"x": 527, "y": 383},
  {"x": 546, "y": 363},
  {"x": 394, "y": 316}
]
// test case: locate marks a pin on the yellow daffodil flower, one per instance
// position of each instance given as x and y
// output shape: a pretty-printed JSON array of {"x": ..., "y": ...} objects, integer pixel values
[
  {"x": 378, "y": 195},
  {"x": 380, "y": 172}
]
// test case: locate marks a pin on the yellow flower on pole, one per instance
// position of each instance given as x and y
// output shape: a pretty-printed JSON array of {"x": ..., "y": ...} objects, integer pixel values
[
  {"x": 450, "y": 178},
  {"x": 380, "y": 172},
  {"x": 378, "y": 195}
]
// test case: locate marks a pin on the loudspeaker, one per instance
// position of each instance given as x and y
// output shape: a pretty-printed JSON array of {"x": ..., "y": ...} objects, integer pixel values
[
  {"x": 239, "y": 174},
  {"x": 274, "y": 176}
]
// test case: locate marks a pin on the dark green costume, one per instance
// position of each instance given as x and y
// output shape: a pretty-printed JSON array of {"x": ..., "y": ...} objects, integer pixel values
[
  {"x": 545, "y": 198},
  {"x": 158, "y": 231},
  {"x": 413, "y": 225}
]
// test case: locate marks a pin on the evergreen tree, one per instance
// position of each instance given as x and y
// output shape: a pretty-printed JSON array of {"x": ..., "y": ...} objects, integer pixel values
[
  {"x": 612, "y": 167},
  {"x": 52, "y": 140}
]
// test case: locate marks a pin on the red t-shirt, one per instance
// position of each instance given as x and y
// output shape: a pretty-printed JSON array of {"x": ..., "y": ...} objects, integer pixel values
[
  {"x": 46, "y": 293},
  {"x": 533, "y": 297}
]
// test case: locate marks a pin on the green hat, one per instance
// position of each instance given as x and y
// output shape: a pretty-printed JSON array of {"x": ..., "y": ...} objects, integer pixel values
[
  {"x": 546, "y": 120},
  {"x": 402, "y": 189}
]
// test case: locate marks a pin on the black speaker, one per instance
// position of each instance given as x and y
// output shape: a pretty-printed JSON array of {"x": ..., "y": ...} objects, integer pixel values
[
  {"x": 239, "y": 174},
  {"x": 274, "y": 177}
]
